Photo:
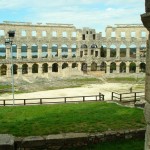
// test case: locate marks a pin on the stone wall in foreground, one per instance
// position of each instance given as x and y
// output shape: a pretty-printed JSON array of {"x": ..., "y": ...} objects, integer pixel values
[{"x": 65, "y": 141}]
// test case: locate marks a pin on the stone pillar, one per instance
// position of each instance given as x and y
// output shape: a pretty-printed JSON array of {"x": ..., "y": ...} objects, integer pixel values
[
  {"x": 40, "y": 69},
  {"x": 77, "y": 52},
  {"x": 79, "y": 66},
  {"x": 108, "y": 68},
  {"x": 49, "y": 51},
  {"x": 118, "y": 68},
  {"x": 29, "y": 53},
  {"x": 108, "y": 53},
  {"x": 138, "y": 53},
  {"x": 30, "y": 69},
  {"x": 69, "y": 53},
  {"x": 19, "y": 71},
  {"x": 59, "y": 53},
  {"x": 8, "y": 53},
  {"x": 137, "y": 68},
  {"x": 118, "y": 53},
  {"x": 127, "y": 52},
  {"x": 146, "y": 21},
  {"x": 39, "y": 53},
  {"x": 19, "y": 53},
  {"x": 8, "y": 70},
  {"x": 127, "y": 68}
]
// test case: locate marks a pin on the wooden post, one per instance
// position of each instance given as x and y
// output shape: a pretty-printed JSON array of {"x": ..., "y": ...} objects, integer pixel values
[
  {"x": 112, "y": 96},
  {"x": 65, "y": 99},
  {"x": 83, "y": 99},
  {"x": 41, "y": 101},
  {"x": 120, "y": 97},
  {"x": 24, "y": 102},
  {"x": 100, "y": 96},
  {"x": 134, "y": 97},
  {"x": 4, "y": 102}
]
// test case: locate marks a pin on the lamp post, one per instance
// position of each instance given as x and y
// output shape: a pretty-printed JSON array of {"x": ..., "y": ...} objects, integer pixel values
[{"x": 9, "y": 41}]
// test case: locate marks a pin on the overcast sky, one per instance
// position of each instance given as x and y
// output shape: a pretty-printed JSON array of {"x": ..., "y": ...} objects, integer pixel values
[{"x": 95, "y": 14}]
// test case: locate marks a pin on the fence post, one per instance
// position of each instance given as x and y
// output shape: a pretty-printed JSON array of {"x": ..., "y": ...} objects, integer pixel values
[
  {"x": 65, "y": 99},
  {"x": 24, "y": 102},
  {"x": 4, "y": 102},
  {"x": 99, "y": 96},
  {"x": 41, "y": 101},
  {"x": 134, "y": 97},
  {"x": 83, "y": 99},
  {"x": 112, "y": 96},
  {"x": 120, "y": 97}
]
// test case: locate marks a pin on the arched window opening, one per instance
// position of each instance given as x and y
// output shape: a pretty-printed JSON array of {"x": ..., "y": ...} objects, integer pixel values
[
  {"x": 142, "y": 67},
  {"x": 74, "y": 65},
  {"x": 143, "y": 50},
  {"x": 64, "y": 49},
  {"x": 122, "y": 67},
  {"x": 123, "y": 51},
  {"x": 132, "y": 67},
  {"x": 45, "y": 68},
  {"x": 74, "y": 50},
  {"x": 15, "y": 69},
  {"x": 24, "y": 51},
  {"x": 84, "y": 67},
  {"x": 94, "y": 66},
  {"x": 34, "y": 50},
  {"x": 93, "y": 46},
  {"x": 55, "y": 67},
  {"x": 103, "y": 67},
  {"x": 112, "y": 51},
  {"x": 24, "y": 69},
  {"x": 65, "y": 65},
  {"x": 35, "y": 68},
  {"x": 112, "y": 67},
  {"x": 14, "y": 51},
  {"x": 2, "y": 52},
  {"x": 3, "y": 70},
  {"x": 54, "y": 50},
  {"x": 133, "y": 51},
  {"x": 44, "y": 51},
  {"x": 103, "y": 51}
]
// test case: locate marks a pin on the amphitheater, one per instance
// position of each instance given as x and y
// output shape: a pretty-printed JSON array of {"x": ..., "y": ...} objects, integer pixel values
[{"x": 62, "y": 49}]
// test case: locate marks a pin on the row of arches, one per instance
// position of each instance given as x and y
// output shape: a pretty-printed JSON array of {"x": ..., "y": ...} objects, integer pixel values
[{"x": 34, "y": 68}]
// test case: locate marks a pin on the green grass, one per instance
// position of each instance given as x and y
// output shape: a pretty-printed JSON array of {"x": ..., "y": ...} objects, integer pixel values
[
  {"x": 80, "y": 117},
  {"x": 116, "y": 145},
  {"x": 5, "y": 87}
]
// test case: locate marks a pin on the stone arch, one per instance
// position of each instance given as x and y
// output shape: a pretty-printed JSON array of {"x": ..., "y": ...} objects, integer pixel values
[
  {"x": 45, "y": 68},
  {"x": 14, "y": 51},
  {"x": 34, "y": 51},
  {"x": 84, "y": 67},
  {"x": 3, "y": 70},
  {"x": 74, "y": 65},
  {"x": 142, "y": 67},
  {"x": 23, "y": 51},
  {"x": 122, "y": 67},
  {"x": 103, "y": 66},
  {"x": 35, "y": 68},
  {"x": 94, "y": 66},
  {"x": 84, "y": 50},
  {"x": 112, "y": 67},
  {"x": 55, "y": 67},
  {"x": 94, "y": 46},
  {"x": 143, "y": 50},
  {"x": 44, "y": 51},
  {"x": 132, "y": 67},
  {"x": 103, "y": 51},
  {"x": 112, "y": 51},
  {"x": 64, "y": 65},
  {"x": 74, "y": 50},
  {"x": 24, "y": 69},
  {"x": 133, "y": 51},
  {"x": 15, "y": 69},
  {"x": 54, "y": 50},
  {"x": 123, "y": 49},
  {"x": 2, "y": 51},
  {"x": 64, "y": 51}
]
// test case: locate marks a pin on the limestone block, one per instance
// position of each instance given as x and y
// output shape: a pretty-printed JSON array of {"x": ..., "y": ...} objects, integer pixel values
[
  {"x": 6, "y": 142},
  {"x": 147, "y": 113},
  {"x": 147, "y": 138}
]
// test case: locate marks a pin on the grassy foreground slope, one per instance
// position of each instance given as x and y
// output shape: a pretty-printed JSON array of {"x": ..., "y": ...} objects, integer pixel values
[{"x": 80, "y": 117}]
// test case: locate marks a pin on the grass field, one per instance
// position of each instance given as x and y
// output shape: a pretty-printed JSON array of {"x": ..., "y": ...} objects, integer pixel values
[{"x": 83, "y": 117}]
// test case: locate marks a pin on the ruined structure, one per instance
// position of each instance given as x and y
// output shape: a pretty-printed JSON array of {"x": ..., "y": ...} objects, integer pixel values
[
  {"x": 61, "y": 49},
  {"x": 146, "y": 21}
]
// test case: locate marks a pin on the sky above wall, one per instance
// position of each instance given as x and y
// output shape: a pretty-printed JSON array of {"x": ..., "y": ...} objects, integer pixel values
[{"x": 95, "y": 14}]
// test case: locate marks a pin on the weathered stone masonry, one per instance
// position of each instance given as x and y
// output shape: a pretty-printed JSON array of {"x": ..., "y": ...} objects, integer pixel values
[{"x": 56, "y": 49}]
